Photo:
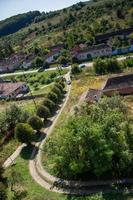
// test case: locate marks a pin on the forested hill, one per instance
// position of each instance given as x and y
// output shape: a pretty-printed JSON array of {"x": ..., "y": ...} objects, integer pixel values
[
  {"x": 13, "y": 24},
  {"x": 79, "y": 23}
]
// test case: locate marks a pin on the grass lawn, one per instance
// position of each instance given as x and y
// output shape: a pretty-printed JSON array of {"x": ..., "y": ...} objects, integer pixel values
[{"x": 8, "y": 149}]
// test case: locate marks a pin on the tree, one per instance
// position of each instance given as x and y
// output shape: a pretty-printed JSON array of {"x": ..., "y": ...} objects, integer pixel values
[
  {"x": 94, "y": 142},
  {"x": 49, "y": 104},
  {"x": 16, "y": 185},
  {"x": 45, "y": 65},
  {"x": 62, "y": 60},
  {"x": 13, "y": 115},
  {"x": 24, "y": 133},
  {"x": 59, "y": 85},
  {"x": 43, "y": 112},
  {"x": 38, "y": 62},
  {"x": 74, "y": 60},
  {"x": 75, "y": 69},
  {"x": 100, "y": 66},
  {"x": 57, "y": 91},
  {"x": 35, "y": 122},
  {"x": 3, "y": 194},
  {"x": 53, "y": 96},
  {"x": 109, "y": 65}
]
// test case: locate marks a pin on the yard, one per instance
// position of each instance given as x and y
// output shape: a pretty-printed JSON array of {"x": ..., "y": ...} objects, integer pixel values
[
  {"x": 27, "y": 105},
  {"x": 38, "y": 79}
]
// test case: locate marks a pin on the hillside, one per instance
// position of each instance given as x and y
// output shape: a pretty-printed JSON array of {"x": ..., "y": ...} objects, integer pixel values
[
  {"x": 13, "y": 24},
  {"x": 78, "y": 23}
]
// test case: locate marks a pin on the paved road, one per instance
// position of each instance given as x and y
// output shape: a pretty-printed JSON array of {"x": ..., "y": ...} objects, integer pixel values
[
  {"x": 88, "y": 64},
  {"x": 13, "y": 157},
  {"x": 30, "y": 72},
  {"x": 33, "y": 163}
]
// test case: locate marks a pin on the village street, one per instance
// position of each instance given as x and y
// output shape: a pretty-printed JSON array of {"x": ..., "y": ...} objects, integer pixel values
[{"x": 88, "y": 64}]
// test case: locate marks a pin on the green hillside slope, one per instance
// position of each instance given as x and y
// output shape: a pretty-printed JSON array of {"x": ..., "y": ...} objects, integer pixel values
[{"x": 78, "y": 23}]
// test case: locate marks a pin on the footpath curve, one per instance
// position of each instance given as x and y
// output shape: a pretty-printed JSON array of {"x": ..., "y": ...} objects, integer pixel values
[{"x": 54, "y": 184}]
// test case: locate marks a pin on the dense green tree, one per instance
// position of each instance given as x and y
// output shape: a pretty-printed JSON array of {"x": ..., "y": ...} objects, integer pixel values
[
  {"x": 3, "y": 192},
  {"x": 109, "y": 65},
  {"x": 53, "y": 96},
  {"x": 3, "y": 186},
  {"x": 75, "y": 69},
  {"x": 58, "y": 85},
  {"x": 63, "y": 60},
  {"x": 13, "y": 24},
  {"x": 95, "y": 142},
  {"x": 43, "y": 112},
  {"x": 35, "y": 122},
  {"x": 24, "y": 133},
  {"x": 13, "y": 115},
  {"x": 49, "y": 104},
  {"x": 38, "y": 62},
  {"x": 57, "y": 91}
]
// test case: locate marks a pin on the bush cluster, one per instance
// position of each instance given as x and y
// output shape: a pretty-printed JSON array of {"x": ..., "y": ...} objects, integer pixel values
[
  {"x": 109, "y": 65},
  {"x": 25, "y": 131}
]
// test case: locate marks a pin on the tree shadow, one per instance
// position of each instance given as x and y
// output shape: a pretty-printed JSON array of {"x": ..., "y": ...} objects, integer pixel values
[
  {"x": 27, "y": 152},
  {"x": 39, "y": 136},
  {"x": 48, "y": 123}
]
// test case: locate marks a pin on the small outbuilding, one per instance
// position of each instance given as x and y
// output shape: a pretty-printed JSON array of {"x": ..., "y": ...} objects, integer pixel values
[{"x": 122, "y": 85}]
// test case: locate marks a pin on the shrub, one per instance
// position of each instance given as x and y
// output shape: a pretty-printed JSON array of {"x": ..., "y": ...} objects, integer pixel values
[
  {"x": 43, "y": 112},
  {"x": 35, "y": 122},
  {"x": 24, "y": 133}
]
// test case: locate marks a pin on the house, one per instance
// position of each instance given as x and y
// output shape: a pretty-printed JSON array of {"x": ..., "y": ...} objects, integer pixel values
[
  {"x": 50, "y": 57},
  {"x": 94, "y": 52},
  {"x": 123, "y": 50},
  {"x": 122, "y": 84},
  {"x": 11, "y": 90},
  {"x": 12, "y": 63},
  {"x": 91, "y": 96},
  {"x": 122, "y": 32}
]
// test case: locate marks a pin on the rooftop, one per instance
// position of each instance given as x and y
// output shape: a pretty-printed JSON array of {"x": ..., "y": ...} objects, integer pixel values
[
  {"x": 91, "y": 95},
  {"x": 122, "y": 81},
  {"x": 93, "y": 48},
  {"x": 114, "y": 33},
  {"x": 7, "y": 88}
]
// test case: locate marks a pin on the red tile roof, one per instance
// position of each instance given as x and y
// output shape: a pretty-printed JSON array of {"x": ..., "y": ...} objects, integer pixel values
[{"x": 8, "y": 88}]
